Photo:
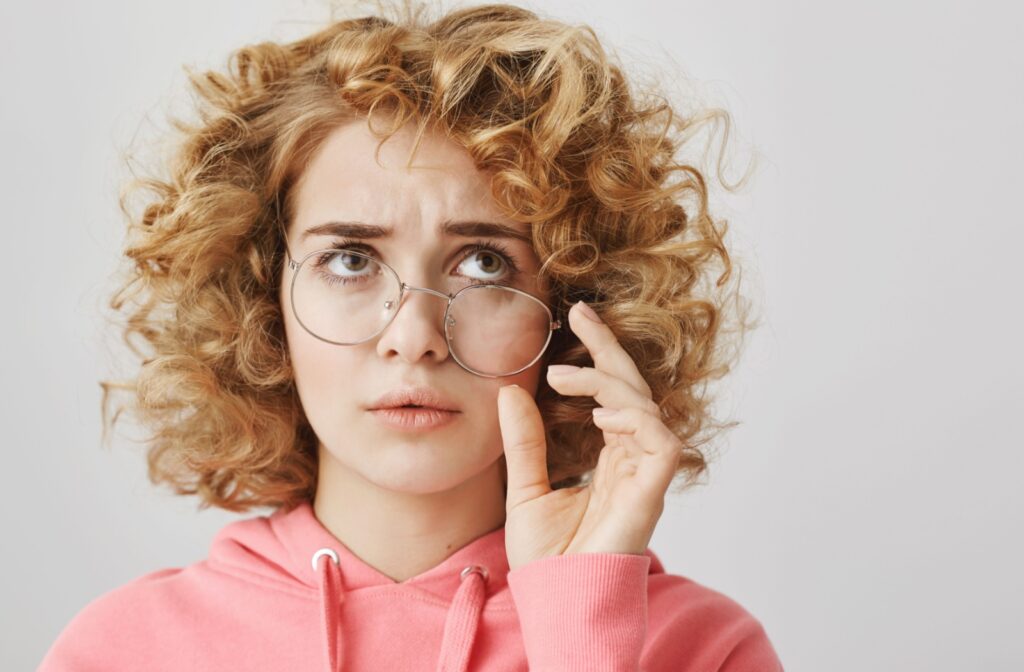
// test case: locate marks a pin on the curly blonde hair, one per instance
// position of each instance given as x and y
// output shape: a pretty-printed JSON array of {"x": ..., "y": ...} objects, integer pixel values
[{"x": 619, "y": 221}]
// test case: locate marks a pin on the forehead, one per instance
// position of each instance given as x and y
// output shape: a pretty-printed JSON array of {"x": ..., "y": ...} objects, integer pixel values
[{"x": 348, "y": 177}]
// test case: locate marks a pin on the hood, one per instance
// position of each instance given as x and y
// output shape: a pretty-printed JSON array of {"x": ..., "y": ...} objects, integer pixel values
[{"x": 291, "y": 549}]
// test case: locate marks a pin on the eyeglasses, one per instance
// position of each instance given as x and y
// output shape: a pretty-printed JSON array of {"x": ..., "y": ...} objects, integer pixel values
[{"x": 345, "y": 297}]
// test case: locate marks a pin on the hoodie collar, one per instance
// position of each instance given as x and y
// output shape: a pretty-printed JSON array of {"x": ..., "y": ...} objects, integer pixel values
[
  {"x": 292, "y": 547},
  {"x": 302, "y": 535}
]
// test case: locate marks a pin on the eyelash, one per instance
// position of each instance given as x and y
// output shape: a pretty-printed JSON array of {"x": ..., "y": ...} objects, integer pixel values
[{"x": 475, "y": 246}]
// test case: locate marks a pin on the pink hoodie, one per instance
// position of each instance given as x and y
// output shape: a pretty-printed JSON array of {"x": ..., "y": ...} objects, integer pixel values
[{"x": 280, "y": 592}]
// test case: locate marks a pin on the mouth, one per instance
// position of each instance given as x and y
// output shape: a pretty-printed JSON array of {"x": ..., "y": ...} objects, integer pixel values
[
  {"x": 414, "y": 418},
  {"x": 413, "y": 406},
  {"x": 415, "y": 398}
]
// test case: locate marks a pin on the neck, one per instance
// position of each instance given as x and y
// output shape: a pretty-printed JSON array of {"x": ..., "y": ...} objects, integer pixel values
[{"x": 403, "y": 534}]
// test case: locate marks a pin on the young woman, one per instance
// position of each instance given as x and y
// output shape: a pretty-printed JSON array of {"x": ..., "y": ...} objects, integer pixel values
[{"x": 373, "y": 242}]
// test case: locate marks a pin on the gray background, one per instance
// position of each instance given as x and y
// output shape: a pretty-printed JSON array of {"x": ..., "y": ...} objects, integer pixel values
[{"x": 868, "y": 510}]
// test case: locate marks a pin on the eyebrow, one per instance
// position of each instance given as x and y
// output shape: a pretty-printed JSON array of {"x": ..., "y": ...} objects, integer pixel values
[{"x": 449, "y": 228}]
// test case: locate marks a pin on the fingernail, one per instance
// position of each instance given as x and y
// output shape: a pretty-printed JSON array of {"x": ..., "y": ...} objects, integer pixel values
[
  {"x": 589, "y": 312},
  {"x": 604, "y": 412},
  {"x": 561, "y": 369}
]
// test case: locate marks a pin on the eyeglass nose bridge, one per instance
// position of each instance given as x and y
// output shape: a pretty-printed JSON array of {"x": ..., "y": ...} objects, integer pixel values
[
  {"x": 443, "y": 295},
  {"x": 407, "y": 287}
]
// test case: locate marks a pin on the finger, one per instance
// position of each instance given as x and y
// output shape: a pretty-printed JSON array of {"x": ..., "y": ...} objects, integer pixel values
[
  {"x": 609, "y": 391},
  {"x": 605, "y": 349},
  {"x": 660, "y": 447},
  {"x": 522, "y": 434}
]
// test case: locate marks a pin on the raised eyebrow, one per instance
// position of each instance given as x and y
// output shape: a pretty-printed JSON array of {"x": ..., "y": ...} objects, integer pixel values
[{"x": 466, "y": 229}]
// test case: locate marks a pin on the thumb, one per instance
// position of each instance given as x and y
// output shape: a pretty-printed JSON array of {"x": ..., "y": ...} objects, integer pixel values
[{"x": 522, "y": 434}]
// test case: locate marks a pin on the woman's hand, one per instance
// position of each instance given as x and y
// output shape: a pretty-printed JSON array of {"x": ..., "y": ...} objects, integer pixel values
[{"x": 618, "y": 510}]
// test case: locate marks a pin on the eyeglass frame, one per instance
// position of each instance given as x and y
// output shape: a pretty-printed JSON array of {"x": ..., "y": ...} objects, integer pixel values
[{"x": 553, "y": 324}]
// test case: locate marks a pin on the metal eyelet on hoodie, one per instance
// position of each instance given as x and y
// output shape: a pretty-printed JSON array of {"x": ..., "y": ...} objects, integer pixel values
[
  {"x": 482, "y": 571},
  {"x": 324, "y": 551}
]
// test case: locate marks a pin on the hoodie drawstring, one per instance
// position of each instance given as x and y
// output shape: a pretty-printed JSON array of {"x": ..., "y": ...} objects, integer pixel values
[
  {"x": 331, "y": 597},
  {"x": 463, "y": 619},
  {"x": 460, "y": 626}
]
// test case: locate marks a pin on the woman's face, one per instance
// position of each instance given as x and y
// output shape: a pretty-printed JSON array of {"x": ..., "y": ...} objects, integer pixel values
[{"x": 339, "y": 384}]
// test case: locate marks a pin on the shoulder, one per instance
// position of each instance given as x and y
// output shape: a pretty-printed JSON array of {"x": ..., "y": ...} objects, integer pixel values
[
  {"x": 106, "y": 634},
  {"x": 689, "y": 621}
]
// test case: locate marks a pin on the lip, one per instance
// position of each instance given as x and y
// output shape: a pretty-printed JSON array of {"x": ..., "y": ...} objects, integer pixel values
[
  {"x": 414, "y": 419},
  {"x": 427, "y": 397}
]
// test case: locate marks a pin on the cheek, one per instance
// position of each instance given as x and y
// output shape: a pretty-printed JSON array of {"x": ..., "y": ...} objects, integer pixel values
[
  {"x": 324, "y": 373},
  {"x": 528, "y": 380},
  {"x": 315, "y": 360}
]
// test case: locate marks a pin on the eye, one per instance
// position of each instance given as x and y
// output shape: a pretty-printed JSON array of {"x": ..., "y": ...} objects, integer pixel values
[
  {"x": 487, "y": 259},
  {"x": 342, "y": 266}
]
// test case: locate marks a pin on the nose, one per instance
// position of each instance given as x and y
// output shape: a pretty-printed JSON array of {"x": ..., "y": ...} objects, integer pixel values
[{"x": 417, "y": 330}]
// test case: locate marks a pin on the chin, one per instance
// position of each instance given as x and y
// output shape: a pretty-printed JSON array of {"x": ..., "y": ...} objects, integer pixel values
[
  {"x": 422, "y": 468},
  {"x": 421, "y": 479}
]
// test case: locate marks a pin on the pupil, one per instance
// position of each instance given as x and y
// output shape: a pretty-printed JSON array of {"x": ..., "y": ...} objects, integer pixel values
[
  {"x": 490, "y": 257},
  {"x": 358, "y": 261}
]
